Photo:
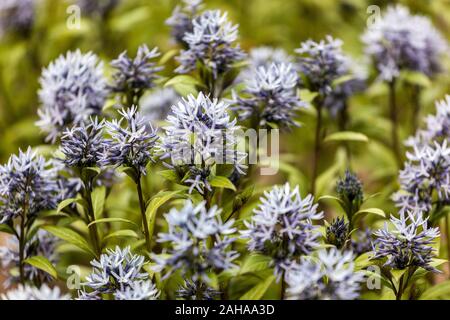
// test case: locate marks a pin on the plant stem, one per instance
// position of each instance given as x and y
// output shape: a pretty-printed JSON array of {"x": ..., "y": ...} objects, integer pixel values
[
  {"x": 317, "y": 146},
  {"x": 394, "y": 122},
  {"x": 416, "y": 93},
  {"x": 93, "y": 231},
  {"x": 22, "y": 238},
  {"x": 283, "y": 286},
  {"x": 144, "y": 217}
]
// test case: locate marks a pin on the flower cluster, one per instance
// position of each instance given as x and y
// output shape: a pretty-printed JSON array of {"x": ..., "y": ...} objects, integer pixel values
[
  {"x": 426, "y": 175},
  {"x": 190, "y": 230},
  {"x": 331, "y": 277},
  {"x": 321, "y": 63},
  {"x": 27, "y": 186},
  {"x": 119, "y": 272},
  {"x": 282, "y": 227},
  {"x": 337, "y": 232},
  {"x": 409, "y": 244},
  {"x": 437, "y": 126},
  {"x": 25, "y": 292},
  {"x": 156, "y": 106},
  {"x": 72, "y": 89},
  {"x": 400, "y": 41},
  {"x": 350, "y": 191},
  {"x": 84, "y": 146},
  {"x": 273, "y": 96},
  {"x": 181, "y": 19},
  {"x": 200, "y": 135},
  {"x": 132, "y": 145},
  {"x": 196, "y": 291},
  {"x": 362, "y": 241},
  {"x": 41, "y": 244},
  {"x": 16, "y": 15},
  {"x": 134, "y": 76},
  {"x": 211, "y": 44}
]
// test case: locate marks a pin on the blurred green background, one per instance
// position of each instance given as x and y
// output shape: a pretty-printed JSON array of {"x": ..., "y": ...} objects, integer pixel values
[{"x": 279, "y": 23}]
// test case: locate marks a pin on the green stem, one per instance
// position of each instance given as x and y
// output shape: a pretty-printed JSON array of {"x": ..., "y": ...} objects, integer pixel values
[
  {"x": 283, "y": 286},
  {"x": 393, "y": 111},
  {"x": 416, "y": 93},
  {"x": 317, "y": 146},
  {"x": 22, "y": 239},
  {"x": 144, "y": 217},
  {"x": 93, "y": 231},
  {"x": 447, "y": 238}
]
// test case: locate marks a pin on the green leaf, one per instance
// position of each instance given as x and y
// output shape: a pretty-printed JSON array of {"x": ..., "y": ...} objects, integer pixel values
[
  {"x": 65, "y": 203},
  {"x": 416, "y": 78},
  {"x": 254, "y": 263},
  {"x": 98, "y": 201},
  {"x": 157, "y": 201},
  {"x": 128, "y": 20},
  {"x": 438, "y": 291},
  {"x": 361, "y": 213},
  {"x": 168, "y": 55},
  {"x": 6, "y": 228},
  {"x": 306, "y": 95},
  {"x": 182, "y": 79},
  {"x": 222, "y": 182},
  {"x": 122, "y": 233},
  {"x": 43, "y": 264},
  {"x": 70, "y": 236},
  {"x": 106, "y": 220},
  {"x": 327, "y": 197},
  {"x": 258, "y": 291},
  {"x": 347, "y": 136},
  {"x": 397, "y": 274},
  {"x": 169, "y": 175}
]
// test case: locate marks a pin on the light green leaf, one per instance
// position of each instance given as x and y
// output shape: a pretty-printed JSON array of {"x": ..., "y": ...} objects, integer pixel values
[
  {"x": 397, "y": 274},
  {"x": 98, "y": 201},
  {"x": 106, "y": 220},
  {"x": 327, "y": 197},
  {"x": 254, "y": 263},
  {"x": 222, "y": 182},
  {"x": 183, "y": 79},
  {"x": 416, "y": 78},
  {"x": 169, "y": 175},
  {"x": 361, "y": 213},
  {"x": 43, "y": 264},
  {"x": 347, "y": 136},
  {"x": 258, "y": 291},
  {"x": 122, "y": 233},
  {"x": 65, "y": 203},
  {"x": 70, "y": 236},
  {"x": 168, "y": 55},
  {"x": 6, "y": 228},
  {"x": 157, "y": 201},
  {"x": 129, "y": 19},
  {"x": 438, "y": 291}
]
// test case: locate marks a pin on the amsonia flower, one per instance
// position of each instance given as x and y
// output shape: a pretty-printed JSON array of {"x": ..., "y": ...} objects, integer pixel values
[
  {"x": 321, "y": 63},
  {"x": 199, "y": 136},
  {"x": 211, "y": 43},
  {"x": 181, "y": 19},
  {"x": 118, "y": 272},
  {"x": 408, "y": 244},
  {"x": 401, "y": 41},
  {"x": 130, "y": 145},
  {"x": 72, "y": 89},
  {"x": 337, "y": 232},
  {"x": 425, "y": 178},
  {"x": 273, "y": 97},
  {"x": 27, "y": 186},
  {"x": 362, "y": 241},
  {"x": 138, "y": 290},
  {"x": 84, "y": 145},
  {"x": 437, "y": 126},
  {"x": 196, "y": 291},
  {"x": 134, "y": 76},
  {"x": 331, "y": 277},
  {"x": 198, "y": 242},
  {"x": 17, "y": 15},
  {"x": 282, "y": 227},
  {"x": 41, "y": 244},
  {"x": 25, "y": 292}
]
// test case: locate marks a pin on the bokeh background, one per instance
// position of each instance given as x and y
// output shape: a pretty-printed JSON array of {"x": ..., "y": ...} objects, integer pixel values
[{"x": 277, "y": 23}]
